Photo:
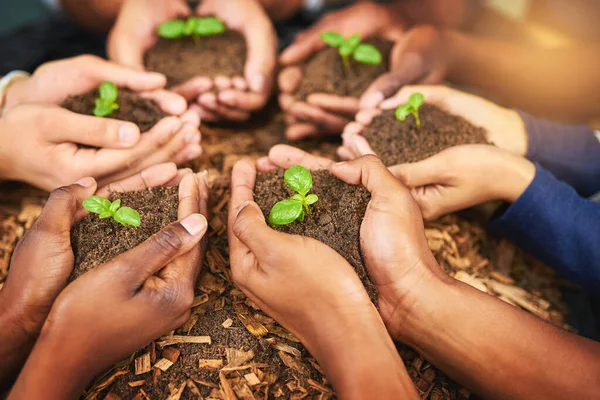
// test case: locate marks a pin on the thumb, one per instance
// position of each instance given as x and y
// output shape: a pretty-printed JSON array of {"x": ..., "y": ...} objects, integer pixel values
[
  {"x": 261, "y": 58},
  {"x": 130, "y": 75},
  {"x": 126, "y": 49},
  {"x": 408, "y": 70},
  {"x": 431, "y": 171},
  {"x": 161, "y": 248},
  {"x": 250, "y": 228}
]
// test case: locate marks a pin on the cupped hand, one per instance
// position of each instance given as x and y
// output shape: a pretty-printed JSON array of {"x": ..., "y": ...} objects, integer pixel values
[
  {"x": 234, "y": 98},
  {"x": 43, "y": 260},
  {"x": 323, "y": 113},
  {"x": 505, "y": 128},
  {"x": 150, "y": 286},
  {"x": 392, "y": 234}
]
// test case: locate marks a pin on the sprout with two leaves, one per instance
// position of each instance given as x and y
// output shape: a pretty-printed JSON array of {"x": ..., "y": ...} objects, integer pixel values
[
  {"x": 415, "y": 101},
  {"x": 193, "y": 26},
  {"x": 361, "y": 52},
  {"x": 287, "y": 211},
  {"x": 105, "y": 209}
]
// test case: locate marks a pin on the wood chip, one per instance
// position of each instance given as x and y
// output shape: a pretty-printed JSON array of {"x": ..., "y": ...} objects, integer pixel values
[
  {"x": 200, "y": 300},
  {"x": 142, "y": 364},
  {"x": 215, "y": 364},
  {"x": 163, "y": 364},
  {"x": 293, "y": 363},
  {"x": 171, "y": 354},
  {"x": 177, "y": 339},
  {"x": 136, "y": 383},
  {"x": 176, "y": 392},
  {"x": 227, "y": 323},
  {"x": 252, "y": 379},
  {"x": 226, "y": 387},
  {"x": 236, "y": 357},
  {"x": 252, "y": 324},
  {"x": 242, "y": 391}
]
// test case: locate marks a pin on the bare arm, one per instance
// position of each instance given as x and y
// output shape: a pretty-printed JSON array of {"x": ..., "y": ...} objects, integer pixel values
[{"x": 95, "y": 15}]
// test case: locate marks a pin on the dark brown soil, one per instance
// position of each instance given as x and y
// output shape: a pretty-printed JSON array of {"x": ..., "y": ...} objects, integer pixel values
[
  {"x": 182, "y": 59},
  {"x": 335, "y": 219},
  {"x": 145, "y": 113},
  {"x": 397, "y": 142},
  {"x": 96, "y": 241},
  {"x": 325, "y": 73}
]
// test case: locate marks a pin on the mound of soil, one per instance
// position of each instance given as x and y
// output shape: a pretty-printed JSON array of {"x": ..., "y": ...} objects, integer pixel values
[
  {"x": 96, "y": 241},
  {"x": 334, "y": 220},
  {"x": 182, "y": 59},
  {"x": 145, "y": 113},
  {"x": 397, "y": 142},
  {"x": 325, "y": 72}
]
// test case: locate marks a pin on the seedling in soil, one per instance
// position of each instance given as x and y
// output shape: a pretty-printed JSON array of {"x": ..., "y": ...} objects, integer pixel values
[
  {"x": 361, "y": 52},
  {"x": 193, "y": 26},
  {"x": 106, "y": 103},
  {"x": 105, "y": 209},
  {"x": 287, "y": 211},
  {"x": 415, "y": 101}
]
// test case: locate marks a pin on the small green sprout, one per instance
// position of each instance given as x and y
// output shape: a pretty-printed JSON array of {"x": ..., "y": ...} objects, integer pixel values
[
  {"x": 193, "y": 26},
  {"x": 105, "y": 209},
  {"x": 415, "y": 101},
  {"x": 287, "y": 211},
  {"x": 361, "y": 52},
  {"x": 106, "y": 102}
]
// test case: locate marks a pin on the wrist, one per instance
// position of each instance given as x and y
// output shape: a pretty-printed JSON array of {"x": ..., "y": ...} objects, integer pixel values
[
  {"x": 10, "y": 87},
  {"x": 513, "y": 178}
]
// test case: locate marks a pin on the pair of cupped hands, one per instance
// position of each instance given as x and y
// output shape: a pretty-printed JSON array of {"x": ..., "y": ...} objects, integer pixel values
[{"x": 122, "y": 305}]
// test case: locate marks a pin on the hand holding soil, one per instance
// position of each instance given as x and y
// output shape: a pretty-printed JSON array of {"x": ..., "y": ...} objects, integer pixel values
[
  {"x": 289, "y": 276},
  {"x": 150, "y": 286},
  {"x": 318, "y": 94}
]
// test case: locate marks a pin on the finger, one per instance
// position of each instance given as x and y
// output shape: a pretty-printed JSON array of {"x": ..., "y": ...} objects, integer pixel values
[
  {"x": 243, "y": 178},
  {"x": 326, "y": 122},
  {"x": 345, "y": 153},
  {"x": 246, "y": 101},
  {"x": 430, "y": 171},
  {"x": 372, "y": 174},
  {"x": 170, "y": 102},
  {"x": 431, "y": 93},
  {"x": 309, "y": 42},
  {"x": 289, "y": 78},
  {"x": 352, "y": 129},
  {"x": 191, "y": 118},
  {"x": 191, "y": 89},
  {"x": 203, "y": 114},
  {"x": 301, "y": 131},
  {"x": 59, "y": 213},
  {"x": 208, "y": 101},
  {"x": 365, "y": 117},
  {"x": 285, "y": 156},
  {"x": 335, "y": 104},
  {"x": 189, "y": 153},
  {"x": 261, "y": 58},
  {"x": 156, "y": 175},
  {"x": 359, "y": 146},
  {"x": 409, "y": 70},
  {"x": 223, "y": 82},
  {"x": 62, "y": 125},
  {"x": 125, "y": 49},
  {"x": 263, "y": 164},
  {"x": 143, "y": 261},
  {"x": 239, "y": 83},
  {"x": 130, "y": 77},
  {"x": 250, "y": 228},
  {"x": 286, "y": 101}
]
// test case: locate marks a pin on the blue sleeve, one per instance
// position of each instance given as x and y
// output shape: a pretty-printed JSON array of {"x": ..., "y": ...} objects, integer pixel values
[
  {"x": 570, "y": 152},
  {"x": 552, "y": 222}
]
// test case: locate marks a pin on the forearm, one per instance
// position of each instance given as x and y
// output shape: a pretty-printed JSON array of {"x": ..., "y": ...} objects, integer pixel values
[
  {"x": 95, "y": 15},
  {"x": 548, "y": 82},
  {"x": 364, "y": 363},
  {"x": 15, "y": 345},
  {"x": 497, "y": 350}
]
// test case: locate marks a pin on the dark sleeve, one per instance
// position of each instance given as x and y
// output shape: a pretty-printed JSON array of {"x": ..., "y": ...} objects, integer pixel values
[
  {"x": 552, "y": 222},
  {"x": 570, "y": 152}
]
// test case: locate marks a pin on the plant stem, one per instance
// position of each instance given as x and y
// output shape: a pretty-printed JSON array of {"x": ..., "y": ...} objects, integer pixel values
[
  {"x": 346, "y": 62},
  {"x": 195, "y": 38},
  {"x": 417, "y": 120}
]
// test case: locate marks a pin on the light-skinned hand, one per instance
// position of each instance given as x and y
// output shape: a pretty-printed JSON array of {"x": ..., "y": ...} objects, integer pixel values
[
  {"x": 325, "y": 113},
  {"x": 150, "y": 286}
]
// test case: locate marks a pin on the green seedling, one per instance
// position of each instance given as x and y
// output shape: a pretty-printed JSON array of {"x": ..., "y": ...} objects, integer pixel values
[
  {"x": 105, "y": 209},
  {"x": 415, "y": 101},
  {"x": 106, "y": 103},
  {"x": 287, "y": 211},
  {"x": 193, "y": 26},
  {"x": 361, "y": 52}
]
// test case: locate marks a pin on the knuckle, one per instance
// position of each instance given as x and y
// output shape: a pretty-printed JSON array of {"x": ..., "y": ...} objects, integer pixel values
[
  {"x": 166, "y": 242},
  {"x": 86, "y": 59}
]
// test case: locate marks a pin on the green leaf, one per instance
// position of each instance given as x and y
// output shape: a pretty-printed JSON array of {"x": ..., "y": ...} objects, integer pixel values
[
  {"x": 301, "y": 217},
  {"x": 345, "y": 49},
  {"x": 298, "y": 178},
  {"x": 311, "y": 199},
  {"x": 210, "y": 26},
  {"x": 191, "y": 25},
  {"x": 171, "y": 29},
  {"x": 108, "y": 91},
  {"x": 127, "y": 216},
  {"x": 106, "y": 214},
  {"x": 416, "y": 100},
  {"x": 285, "y": 212},
  {"x": 367, "y": 54},
  {"x": 354, "y": 41},
  {"x": 115, "y": 205},
  {"x": 96, "y": 204},
  {"x": 403, "y": 111},
  {"x": 333, "y": 39},
  {"x": 298, "y": 197}
]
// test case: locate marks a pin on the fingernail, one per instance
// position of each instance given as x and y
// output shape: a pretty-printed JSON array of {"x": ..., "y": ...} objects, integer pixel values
[
  {"x": 339, "y": 164},
  {"x": 128, "y": 134},
  {"x": 85, "y": 182},
  {"x": 194, "y": 152},
  {"x": 194, "y": 224},
  {"x": 189, "y": 136},
  {"x": 256, "y": 82},
  {"x": 371, "y": 100},
  {"x": 156, "y": 77}
]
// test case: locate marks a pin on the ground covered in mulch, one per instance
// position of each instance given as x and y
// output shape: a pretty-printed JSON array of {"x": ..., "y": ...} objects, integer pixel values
[
  {"x": 183, "y": 59},
  {"x": 325, "y": 72},
  {"x": 145, "y": 113},
  {"x": 229, "y": 349},
  {"x": 397, "y": 142}
]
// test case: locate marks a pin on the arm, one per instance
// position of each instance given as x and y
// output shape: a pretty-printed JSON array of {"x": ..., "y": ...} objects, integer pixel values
[
  {"x": 553, "y": 222},
  {"x": 95, "y": 15},
  {"x": 571, "y": 153}
]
